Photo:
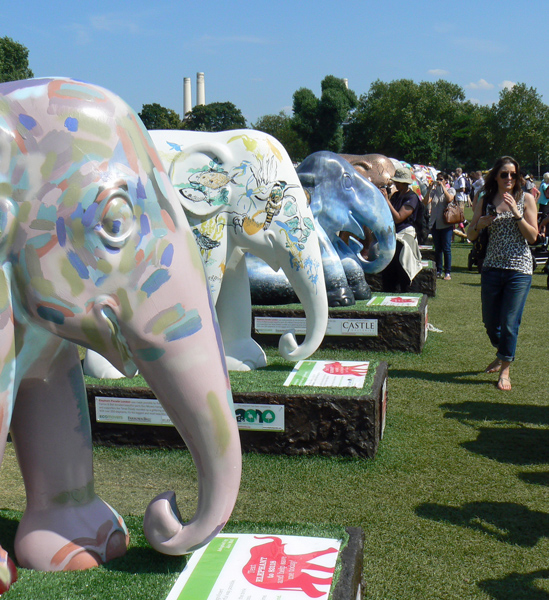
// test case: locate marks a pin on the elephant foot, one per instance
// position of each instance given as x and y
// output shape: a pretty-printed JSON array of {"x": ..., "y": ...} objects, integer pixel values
[
  {"x": 361, "y": 290},
  {"x": 8, "y": 572},
  {"x": 341, "y": 297},
  {"x": 71, "y": 538},
  {"x": 244, "y": 355}
]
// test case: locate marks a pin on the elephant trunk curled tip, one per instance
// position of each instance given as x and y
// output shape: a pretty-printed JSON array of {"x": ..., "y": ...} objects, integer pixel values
[{"x": 165, "y": 531}]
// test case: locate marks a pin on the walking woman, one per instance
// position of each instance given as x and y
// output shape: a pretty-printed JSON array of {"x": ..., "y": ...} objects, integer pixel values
[
  {"x": 439, "y": 195},
  {"x": 511, "y": 216}
]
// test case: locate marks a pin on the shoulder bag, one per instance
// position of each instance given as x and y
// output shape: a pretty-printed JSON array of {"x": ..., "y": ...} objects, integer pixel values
[{"x": 453, "y": 213}]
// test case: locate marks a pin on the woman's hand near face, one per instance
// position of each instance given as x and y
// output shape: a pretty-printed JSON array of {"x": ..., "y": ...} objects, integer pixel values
[{"x": 511, "y": 204}]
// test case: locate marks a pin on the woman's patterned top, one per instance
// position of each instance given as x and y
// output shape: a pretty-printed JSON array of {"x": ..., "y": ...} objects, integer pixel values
[{"x": 507, "y": 248}]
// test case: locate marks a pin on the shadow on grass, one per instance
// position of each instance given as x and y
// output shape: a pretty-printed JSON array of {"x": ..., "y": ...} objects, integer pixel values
[
  {"x": 519, "y": 446},
  {"x": 139, "y": 561},
  {"x": 497, "y": 411},
  {"x": 516, "y": 586},
  {"x": 535, "y": 478},
  {"x": 505, "y": 521},
  {"x": 462, "y": 377},
  {"x": 8, "y": 526}
]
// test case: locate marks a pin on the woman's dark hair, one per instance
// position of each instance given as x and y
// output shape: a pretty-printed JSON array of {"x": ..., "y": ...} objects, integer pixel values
[
  {"x": 491, "y": 180},
  {"x": 444, "y": 175}
]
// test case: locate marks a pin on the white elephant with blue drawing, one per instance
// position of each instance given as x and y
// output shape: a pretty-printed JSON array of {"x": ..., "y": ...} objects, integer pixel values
[
  {"x": 241, "y": 194},
  {"x": 342, "y": 200},
  {"x": 96, "y": 250}
]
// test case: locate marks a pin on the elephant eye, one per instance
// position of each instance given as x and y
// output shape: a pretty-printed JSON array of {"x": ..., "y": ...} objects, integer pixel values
[
  {"x": 117, "y": 220},
  {"x": 347, "y": 181}
]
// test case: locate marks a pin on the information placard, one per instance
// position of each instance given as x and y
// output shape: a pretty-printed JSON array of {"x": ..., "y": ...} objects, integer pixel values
[
  {"x": 396, "y": 301},
  {"x": 149, "y": 411},
  {"x": 259, "y": 567},
  {"x": 348, "y": 327},
  {"x": 325, "y": 373}
]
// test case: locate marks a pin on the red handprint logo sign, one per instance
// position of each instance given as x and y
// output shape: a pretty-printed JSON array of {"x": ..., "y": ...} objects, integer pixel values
[
  {"x": 336, "y": 368},
  {"x": 271, "y": 568}
]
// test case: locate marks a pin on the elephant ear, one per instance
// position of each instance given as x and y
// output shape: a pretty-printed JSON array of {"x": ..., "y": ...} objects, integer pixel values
[{"x": 184, "y": 171}]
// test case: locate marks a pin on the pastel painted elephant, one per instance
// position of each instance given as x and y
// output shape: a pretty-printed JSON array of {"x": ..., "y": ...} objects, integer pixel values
[
  {"x": 241, "y": 194},
  {"x": 342, "y": 200},
  {"x": 96, "y": 251}
]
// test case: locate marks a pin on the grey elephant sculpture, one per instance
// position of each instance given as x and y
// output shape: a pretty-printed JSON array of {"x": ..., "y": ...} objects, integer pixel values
[
  {"x": 341, "y": 200},
  {"x": 95, "y": 250}
]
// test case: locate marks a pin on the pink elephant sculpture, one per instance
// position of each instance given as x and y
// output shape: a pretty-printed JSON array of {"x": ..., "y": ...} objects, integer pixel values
[{"x": 96, "y": 251}]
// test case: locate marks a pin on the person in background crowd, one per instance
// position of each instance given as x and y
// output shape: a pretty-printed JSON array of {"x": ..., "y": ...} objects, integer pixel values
[
  {"x": 529, "y": 186},
  {"x": 406, "y": 263},
  {"x": 478, "y": 182},
  {"x": 438, "y": 196},
  {"x": 506, "y": 276},
  {"x": 460, "y": 185},
  {"x": 543, "y": 198}
]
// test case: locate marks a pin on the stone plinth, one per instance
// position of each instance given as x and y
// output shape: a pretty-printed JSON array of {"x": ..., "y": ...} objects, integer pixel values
[
  {"x": 400, "y": 328},
  {"x": 325, "y": 421}
]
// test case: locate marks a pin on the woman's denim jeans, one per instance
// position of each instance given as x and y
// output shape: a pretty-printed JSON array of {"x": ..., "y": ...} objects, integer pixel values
[
  {"x": 442, "y": 241},
  {"x": 503, "y": 294}
]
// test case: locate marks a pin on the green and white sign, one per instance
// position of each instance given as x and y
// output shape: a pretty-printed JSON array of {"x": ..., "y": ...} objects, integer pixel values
[{"x": 259, "y": 567}]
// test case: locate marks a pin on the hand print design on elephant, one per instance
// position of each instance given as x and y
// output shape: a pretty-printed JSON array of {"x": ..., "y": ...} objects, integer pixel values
[
  {"x": 241, "y": 194},
  {"x": 342, "y": 200},
  {"x": 95, "y": 250}
]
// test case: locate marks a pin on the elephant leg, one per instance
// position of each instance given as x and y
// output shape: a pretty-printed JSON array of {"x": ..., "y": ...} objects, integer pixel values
[
  {"x": 356, "y": 279},
  {"x": 66, "y": 526},
  {"x": 234, "y": 312},
  {"x": 353, "y": 271},
  {"x": 337, "y": 288}
]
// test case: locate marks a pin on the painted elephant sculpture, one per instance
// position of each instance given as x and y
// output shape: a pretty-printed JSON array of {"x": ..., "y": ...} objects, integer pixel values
[
  {"x": 96, "y": 251},
  {"x": 376, "y": 167},
  {"x": 342, "y": 200},
  {"x": 241, "y": 194}
]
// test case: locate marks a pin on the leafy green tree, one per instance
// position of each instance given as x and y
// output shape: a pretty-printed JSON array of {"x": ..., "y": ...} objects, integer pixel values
[
  {"x": 216, "y": 116},
  {"x": 406, "y": 120},
  {"x": 319, "y": 121},
  {"x": 280, "y": 127},
  {"x": 155, "y": 116},
  {"x": 520, "y": 122},
  {"x": 14, "y": 61}
]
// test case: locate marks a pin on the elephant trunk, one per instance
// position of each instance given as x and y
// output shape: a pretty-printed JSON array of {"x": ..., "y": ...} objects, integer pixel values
[
  {"x": 308, "y": 283},
  {"x": 204, "y": 418},
  {"x": 381, "y": 252},
  {"x": 179, "y": 353}
]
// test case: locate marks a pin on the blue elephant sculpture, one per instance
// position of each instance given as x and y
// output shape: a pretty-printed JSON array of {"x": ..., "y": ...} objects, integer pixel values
[{"x": 342, "y": 201}]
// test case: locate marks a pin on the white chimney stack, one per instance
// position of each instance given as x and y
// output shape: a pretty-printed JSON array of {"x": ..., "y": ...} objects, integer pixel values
[
  {"x": 187, "y": 99},
  {"x": 346, "y": 82},
  {"x": 200, "y": 89}
]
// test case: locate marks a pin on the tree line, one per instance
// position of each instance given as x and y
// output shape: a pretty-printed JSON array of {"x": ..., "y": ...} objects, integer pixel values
[{"x": 425, "y": 123}]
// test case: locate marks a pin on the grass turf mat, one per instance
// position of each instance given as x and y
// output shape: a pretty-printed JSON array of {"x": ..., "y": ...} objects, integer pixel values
[
  {"x": 142, "y": 572},
  {"x": 271, "y": 378}
]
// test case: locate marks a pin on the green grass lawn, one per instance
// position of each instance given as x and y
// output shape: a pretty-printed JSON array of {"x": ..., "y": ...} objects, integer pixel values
[{"x": 454, "y": 506}]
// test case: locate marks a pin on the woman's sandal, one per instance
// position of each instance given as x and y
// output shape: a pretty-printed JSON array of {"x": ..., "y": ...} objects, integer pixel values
[{"x": 502, "y": 386}]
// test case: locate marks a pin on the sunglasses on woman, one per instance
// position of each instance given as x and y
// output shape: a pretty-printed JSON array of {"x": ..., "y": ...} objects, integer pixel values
[{"x": 507, "y": 174}]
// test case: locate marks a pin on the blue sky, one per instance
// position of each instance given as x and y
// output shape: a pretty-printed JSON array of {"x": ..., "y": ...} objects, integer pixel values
[{"x": 257, "y": 54}]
